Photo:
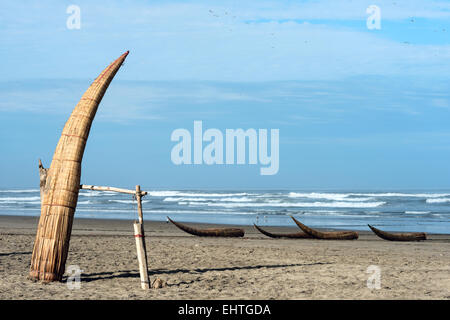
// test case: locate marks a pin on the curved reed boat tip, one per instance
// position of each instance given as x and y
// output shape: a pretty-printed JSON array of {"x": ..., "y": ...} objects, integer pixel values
[
  {"x": 407, "y": 236},
  {"x": 210, "y": 232},
  {"x": 329, "y": 235},
  {"x": 60, "y": 184},
  {"x": 297, "y": 235}
]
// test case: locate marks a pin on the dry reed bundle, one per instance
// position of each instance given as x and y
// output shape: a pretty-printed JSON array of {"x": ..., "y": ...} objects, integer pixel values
[
  {"x": 210, "y": 232},
  {"x": 329, "y": 235},
  {"x": 296, "y": 235},
  {"x": 59, "y": 192},
  {"x": 407, "y": 236}
]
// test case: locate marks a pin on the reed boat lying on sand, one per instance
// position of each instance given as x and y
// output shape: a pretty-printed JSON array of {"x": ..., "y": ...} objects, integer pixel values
[
  {"x": 329, "y": 235},
  {"x": 297, "y": 235},
  {"x": 407, "y": 236},
  {"x": 210, "y": 232}
]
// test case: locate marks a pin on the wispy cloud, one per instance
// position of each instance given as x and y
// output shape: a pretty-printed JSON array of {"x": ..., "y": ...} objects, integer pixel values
[
  {"x": 125, "y": 101},
  {"x": 284, "y": 102},
  {"x": 214, "y": 41}
]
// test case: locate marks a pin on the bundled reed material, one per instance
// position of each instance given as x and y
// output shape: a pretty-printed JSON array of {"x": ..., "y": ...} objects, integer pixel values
[
  {"x": 407, "y": 236},
  {"x": 330, "y": 235},
  {"x": 62, "y": 184},
  {"x": 210, "y": 232},
  {"x": 296, "y": 235}
]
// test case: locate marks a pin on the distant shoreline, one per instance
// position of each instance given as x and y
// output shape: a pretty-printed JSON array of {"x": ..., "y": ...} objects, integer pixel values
[{"x": 29, "y": 223}]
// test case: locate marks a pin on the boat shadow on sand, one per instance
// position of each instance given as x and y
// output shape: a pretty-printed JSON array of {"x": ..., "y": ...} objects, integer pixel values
[{"x": 88, "y": 277}]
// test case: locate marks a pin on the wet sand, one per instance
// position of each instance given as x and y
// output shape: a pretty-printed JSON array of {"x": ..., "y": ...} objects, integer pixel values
[{"x": 253, "y": 267}]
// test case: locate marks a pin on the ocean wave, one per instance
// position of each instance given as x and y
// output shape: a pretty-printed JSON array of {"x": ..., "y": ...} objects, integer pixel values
[
  {"x": 30, "y": 200},
  {"x": 176, "y": 199},
  {"x": 336, "y": 204},
  {"x": 10, "y": 204},
  {"x": 198, "y": 212},
  {"x": 193, "y": 194},
  {"x": 148, "y": 211},
  {"x": 417, "y": 212},
  {"x": 95, "y": 193},
  {"x": 19, "y": 199},
  {"x": 105, "y": 210},
  {"x": 128, "y": 201},
  {"x": 316, "y": 195},
  {"x": 19, "y": 191},
  {"x": 441, "y": 200},
  {"x": 395, "y": 194},
  {"x": 327, "y": 196}
]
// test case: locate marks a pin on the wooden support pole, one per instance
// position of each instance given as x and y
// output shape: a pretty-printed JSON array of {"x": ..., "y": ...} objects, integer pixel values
[
  {"x": 141, "y": 226},
  {"x": 139, "y": 232},
  {"x": 139, "y": 204},
  {"x": 114, "y": 189},
  {"x": 43, "y": 179},
  {"x": 140, "y": 246}
]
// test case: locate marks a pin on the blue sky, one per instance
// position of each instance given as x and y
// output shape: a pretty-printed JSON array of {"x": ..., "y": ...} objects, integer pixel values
[{"x": 356, "y": 108}]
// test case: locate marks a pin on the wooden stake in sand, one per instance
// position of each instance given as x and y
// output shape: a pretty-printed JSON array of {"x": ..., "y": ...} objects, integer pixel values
[
  {"x": 139, "y": 234},
  {"x": 61, "y": 183},
  {"x": 141, "y": 254}
]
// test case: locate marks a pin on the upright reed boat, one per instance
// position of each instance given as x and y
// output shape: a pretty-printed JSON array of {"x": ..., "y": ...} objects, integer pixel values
[{"x": 60, "y": 183}]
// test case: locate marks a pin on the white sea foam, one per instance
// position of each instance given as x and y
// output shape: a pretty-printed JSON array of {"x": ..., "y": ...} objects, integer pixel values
[
  {"x": 345, "y": 196},
  {"x": 119, "y": 211},
  {"x": 327, "y": 196},
  {"x": 104, "y": 210},
  {"x": 193, "y": 194},
  {"x": 417, "y": 212},
  {"x": 395, "y": 194},
  {"x": 19, "y": 199},
  {"x": 19, "y": 191},
  {"x": 440, "y": 200},
  {"x": 176, "y": 199},
  {"x": 316, "y": 195},
  {"x": 128, "y": 201},
  {"x": 19, "y": 202},
  {"x": 335, "y": 204},
  {"x": 238, "y": 199},
  {"x": 30, "y": 200},
  {"x": 94, "y": 193},
  {"x": 199, "y": 212}
]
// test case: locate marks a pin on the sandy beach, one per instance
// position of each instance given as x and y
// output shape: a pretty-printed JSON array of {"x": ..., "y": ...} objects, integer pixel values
[{"x": 253, "y": 267}]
